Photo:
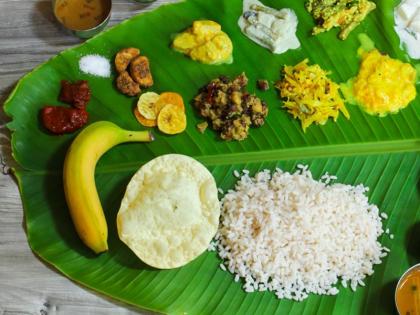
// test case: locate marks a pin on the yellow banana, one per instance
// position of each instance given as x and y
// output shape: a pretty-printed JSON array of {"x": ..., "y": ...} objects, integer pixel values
[{"x": 79, "y": 178}]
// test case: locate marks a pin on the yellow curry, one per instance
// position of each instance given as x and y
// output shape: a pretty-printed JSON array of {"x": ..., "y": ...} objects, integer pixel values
[
  {"x": 408, "y": 294},
  {"x": 205, "y": 42},
  {"x": 384, "y": 85},
  {"x": 81, "y": 15}
]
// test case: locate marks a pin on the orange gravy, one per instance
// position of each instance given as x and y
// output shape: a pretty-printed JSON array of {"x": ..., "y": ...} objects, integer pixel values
[
  {"x": 81, "y": 14},
  {"x": 408, "y": 294}
]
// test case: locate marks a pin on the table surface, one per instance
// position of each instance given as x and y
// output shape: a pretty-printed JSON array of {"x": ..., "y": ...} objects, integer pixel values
[{"x": 29, "y": 36}]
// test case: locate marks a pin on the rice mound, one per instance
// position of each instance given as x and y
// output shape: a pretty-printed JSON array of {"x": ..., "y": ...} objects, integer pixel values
[{"x": 293, "y": 235}]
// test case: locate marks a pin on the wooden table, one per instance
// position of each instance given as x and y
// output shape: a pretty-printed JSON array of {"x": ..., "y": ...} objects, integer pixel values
[{"x": 29, "y": 36}]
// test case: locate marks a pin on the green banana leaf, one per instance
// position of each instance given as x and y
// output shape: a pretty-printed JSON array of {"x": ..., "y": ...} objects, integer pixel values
[{"x": 382, "y": 153}]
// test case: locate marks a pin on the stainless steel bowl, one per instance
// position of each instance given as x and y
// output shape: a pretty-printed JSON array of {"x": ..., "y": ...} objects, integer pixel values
[
  {"x": 403, "y": 277},
  {"x": 88, "y": 32}
]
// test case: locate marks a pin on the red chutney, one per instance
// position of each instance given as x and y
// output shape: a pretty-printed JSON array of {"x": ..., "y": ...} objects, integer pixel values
[
  {"x": 60, "y": 119},
  {"x": 76, "y": 94}
]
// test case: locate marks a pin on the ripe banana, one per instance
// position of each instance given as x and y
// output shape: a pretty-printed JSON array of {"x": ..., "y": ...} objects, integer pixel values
[{"x": 79, "y": 178}]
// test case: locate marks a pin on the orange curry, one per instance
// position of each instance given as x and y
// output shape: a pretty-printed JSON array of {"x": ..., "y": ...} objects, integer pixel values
[
  {"x": 408, "y": 294},
  {"x": 81, "y": 15}
]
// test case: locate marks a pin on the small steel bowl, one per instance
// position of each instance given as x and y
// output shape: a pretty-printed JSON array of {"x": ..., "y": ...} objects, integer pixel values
[
  {"x": 88, "y": 32},
  {"x": 403, "y": 277}
]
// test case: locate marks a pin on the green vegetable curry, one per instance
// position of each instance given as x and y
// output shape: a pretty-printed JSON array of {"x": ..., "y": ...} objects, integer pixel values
[{"x": 345, "y": 14}]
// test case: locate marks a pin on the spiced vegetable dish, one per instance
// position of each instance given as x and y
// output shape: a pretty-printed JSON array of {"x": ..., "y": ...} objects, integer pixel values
[{"x": 229, "y": 108}]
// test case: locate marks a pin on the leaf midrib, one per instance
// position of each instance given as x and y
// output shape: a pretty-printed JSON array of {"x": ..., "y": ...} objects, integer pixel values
[{"x": 323, "y": 151}]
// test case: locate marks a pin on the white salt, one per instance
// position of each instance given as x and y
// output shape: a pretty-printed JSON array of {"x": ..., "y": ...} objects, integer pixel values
[{"x": 95, "y": 65}]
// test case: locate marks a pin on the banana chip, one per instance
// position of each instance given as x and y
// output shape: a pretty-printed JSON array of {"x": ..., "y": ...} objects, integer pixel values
[
  {"x": 169, "y": 98},
  {"x": 170, "y": 211},
  {"x": 171, "y": 120},
  {"x": 146, "y": 105},
  {"x": 144, "y": 121}
]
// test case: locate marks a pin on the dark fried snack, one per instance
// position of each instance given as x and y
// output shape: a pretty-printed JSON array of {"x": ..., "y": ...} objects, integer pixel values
[
  {"x": 76, "y": 94},
  {"x": 263, "y": 85},
  {"x": 60, "y": 119},
  {"x": 126, "y": 84},
  {"x": 124, "y": 57},
  {"x": 229, "y": 108},
  {"x": 140, "y": 71}
]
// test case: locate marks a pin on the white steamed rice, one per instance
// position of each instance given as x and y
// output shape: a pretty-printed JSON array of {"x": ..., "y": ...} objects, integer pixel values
[{"x": 293, "y": 235}]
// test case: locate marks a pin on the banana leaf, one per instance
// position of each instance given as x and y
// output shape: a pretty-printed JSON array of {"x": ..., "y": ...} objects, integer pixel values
[{"x": 382, "y": 153}]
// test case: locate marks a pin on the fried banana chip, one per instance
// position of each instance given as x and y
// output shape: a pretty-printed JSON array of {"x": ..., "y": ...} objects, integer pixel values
[
  {"x": 124, "y": 57},
  {"x": 171, "y": 120},
  {"x": 169, "y": 98},
  {"x": 144, "y": 121},
  {"x": 126, "y": 84},
  {"x": 140, "y": 71},
  {"x": 146, "y": 104}
]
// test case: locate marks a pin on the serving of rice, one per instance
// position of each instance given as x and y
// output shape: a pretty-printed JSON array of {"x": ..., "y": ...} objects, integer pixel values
[{"x": 294, "y": 235}]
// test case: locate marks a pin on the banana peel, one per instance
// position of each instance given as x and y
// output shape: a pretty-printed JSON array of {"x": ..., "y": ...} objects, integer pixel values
[{"x": 79, "y": 178}]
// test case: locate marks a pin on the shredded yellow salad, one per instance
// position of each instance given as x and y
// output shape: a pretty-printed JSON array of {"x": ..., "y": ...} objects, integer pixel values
[{"x": 309, "y": 95}]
